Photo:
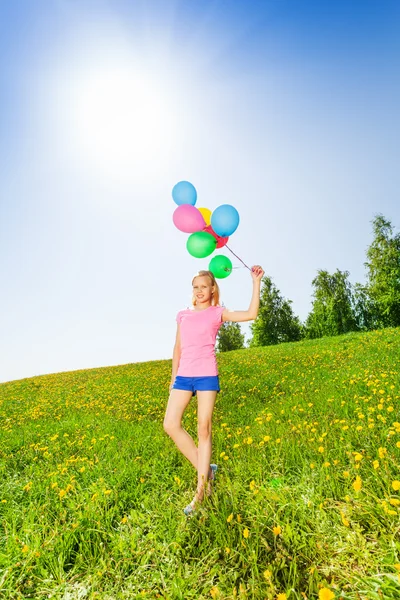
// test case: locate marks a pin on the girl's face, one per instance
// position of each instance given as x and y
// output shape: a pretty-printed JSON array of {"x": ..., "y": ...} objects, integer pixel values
[{"x": 202, "y": 290}]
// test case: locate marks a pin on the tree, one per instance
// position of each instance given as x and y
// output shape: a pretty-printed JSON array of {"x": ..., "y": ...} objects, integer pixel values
[
  {"x": 383, "y": 268},
  {"x": 275, "y": 322},
  {"x": 332, "y": 311},
  {"x": 230, "y": 337}
]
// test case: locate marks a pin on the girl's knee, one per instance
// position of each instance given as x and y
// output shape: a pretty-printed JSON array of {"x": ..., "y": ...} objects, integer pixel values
[
  {"x": 170, "y": 426},
  {"x": 204, "y": 430}
]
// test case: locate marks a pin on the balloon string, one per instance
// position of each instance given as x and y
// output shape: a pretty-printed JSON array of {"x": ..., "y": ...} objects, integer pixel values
[{"x": 226, "y": 246}]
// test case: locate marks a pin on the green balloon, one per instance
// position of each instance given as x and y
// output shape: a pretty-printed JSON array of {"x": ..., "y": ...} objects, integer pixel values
[
  {"x": 220, "y": 266},
  {"x": 201, "y": 244}
]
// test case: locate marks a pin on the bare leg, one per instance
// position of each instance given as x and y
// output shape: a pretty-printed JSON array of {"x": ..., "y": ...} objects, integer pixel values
[
  {"x": 206, "y": 403},
  {"x": 177, "y": 402}
]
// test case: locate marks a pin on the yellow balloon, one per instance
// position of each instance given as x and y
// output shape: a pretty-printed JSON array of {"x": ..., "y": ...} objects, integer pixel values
[{"x": 206, "y": 215}]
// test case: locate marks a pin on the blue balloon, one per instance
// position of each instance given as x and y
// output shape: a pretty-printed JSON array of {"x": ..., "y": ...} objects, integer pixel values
[
  {"x": 184, "y": 193},
  {"x": 225, "y": 220}
]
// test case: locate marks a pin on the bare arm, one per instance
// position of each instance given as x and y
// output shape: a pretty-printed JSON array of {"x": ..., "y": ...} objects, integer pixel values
[
  {"x": 248, "y": 315},
  {"x": 176, "y": 355}
]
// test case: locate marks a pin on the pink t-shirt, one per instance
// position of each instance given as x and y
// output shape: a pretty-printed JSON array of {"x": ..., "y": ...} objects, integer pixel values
[{"x": 199, "y": 330}]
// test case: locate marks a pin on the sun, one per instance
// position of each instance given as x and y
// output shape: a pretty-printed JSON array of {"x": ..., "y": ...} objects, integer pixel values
[{"x": 121, "y": 122}]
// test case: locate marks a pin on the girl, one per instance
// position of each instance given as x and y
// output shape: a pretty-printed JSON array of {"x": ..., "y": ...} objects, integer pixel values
[{"x": 194, "y": 371}]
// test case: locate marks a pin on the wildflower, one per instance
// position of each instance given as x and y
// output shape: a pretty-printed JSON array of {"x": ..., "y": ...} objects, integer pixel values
[
  {"x": 227, "y": 550},
  {"x": 229, "y": 519},
  {"x": 124, "y": 519},
  {"x": 267, "y": 574},
  {"x": 357, "y": 485},
  {"x": 396, "y": 485},
  {"x": 346, "y": 474},
  {"x": 239, "y": 518},
  {"x": 358, "y": 457},
  {"x": 107, "y": 492},
  {"x": 277, "y": 530},
  {"x": 28, "y": 486},
  {"x": 62, "y": 493},
  {"x": 394, "y": 502},
  {"x": 246, "y": 533},
  {"x": 252, "y": 484},
  {"x": 382, "y": 452},
  {"x": 321, "y": 449},
  {"x": 25, "y": 548},
  {"x": 281, "y": 597},
  {"x": 249, "y": 441},
  {"x": 325, "y": 594},
  {"x": 267, "y": 438},
  {"x": 214, "y": 592},
  {"x": 344, "y": 520},
  {"x": 376, "y": 464},
  {"x": 312, "y": 465}
]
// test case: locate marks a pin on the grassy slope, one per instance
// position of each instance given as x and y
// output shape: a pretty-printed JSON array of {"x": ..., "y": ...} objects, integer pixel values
[{"x": 92, "y": 489}]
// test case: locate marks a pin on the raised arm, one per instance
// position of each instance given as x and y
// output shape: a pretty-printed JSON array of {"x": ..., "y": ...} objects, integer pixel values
[
  {"x": 248, "y": 315},
  {"x": 176, "y": 356}
]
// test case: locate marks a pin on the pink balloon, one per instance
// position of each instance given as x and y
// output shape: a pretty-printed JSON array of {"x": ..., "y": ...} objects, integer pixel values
[{"x": 188, "y": 218}]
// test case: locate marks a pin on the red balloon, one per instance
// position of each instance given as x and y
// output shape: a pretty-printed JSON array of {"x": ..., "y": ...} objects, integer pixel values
[{"x": 221, "y": 241}]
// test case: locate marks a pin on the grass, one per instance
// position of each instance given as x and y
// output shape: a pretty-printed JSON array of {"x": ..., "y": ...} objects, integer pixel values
[{"x": 306, "y": 504}]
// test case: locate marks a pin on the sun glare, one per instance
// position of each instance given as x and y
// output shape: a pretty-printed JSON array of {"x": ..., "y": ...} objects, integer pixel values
[{"x": 122, "y": 122}]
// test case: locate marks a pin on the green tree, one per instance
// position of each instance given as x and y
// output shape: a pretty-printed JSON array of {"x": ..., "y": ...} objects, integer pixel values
[
  {"x": 383, "y": 274},
  {"x": 275, "y": 322},
  {"x": 332, "y": 311},
  {"x": 230, "y": 337}
]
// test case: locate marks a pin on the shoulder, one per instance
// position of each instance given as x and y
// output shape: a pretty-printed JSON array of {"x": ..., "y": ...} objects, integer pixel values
[
  {"x": 218, "y": 312},
  {"x": 181, "y": 313}
]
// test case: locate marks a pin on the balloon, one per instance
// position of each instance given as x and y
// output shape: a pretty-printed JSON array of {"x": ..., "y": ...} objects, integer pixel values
[
  {"x": 201, "y": 244},
  {"x": 188, "y": 218},
  {"x": 221, "y": 241},
  {"x": 206, "y": 212},
  {"x": 220, "y": 266},
  {"x": 225, "y": 220},
  {"x": 184, "y": 192}
]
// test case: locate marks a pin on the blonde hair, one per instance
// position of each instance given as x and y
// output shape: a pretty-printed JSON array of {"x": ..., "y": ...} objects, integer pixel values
[{"x": 215, "y": 294}]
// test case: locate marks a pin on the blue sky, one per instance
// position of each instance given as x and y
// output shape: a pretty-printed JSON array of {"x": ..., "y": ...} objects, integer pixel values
[{"x": 287, "y": 109}]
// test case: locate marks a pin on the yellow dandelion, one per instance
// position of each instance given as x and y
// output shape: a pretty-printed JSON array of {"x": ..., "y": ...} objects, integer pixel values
[
  {"x": 358, "y": 457},
  {"x": 346, "y": 474},
  {"x": 357, "y": 484},
  {"x": 344, "y": 520},
  {"x": 376, "y": 464},
  {"x": 246, "y": 533},
  {"x": 312, "y": 466},
  {"x": 252, "y": 484},
  {"x": 214, "y": 592},
  {"x": 62, "y": 493},
  {"x": 227, "y": 550},
  {"x": 394, "y": 502},
  {"x": 239, "y": 518},
  {"x": 321, "y": 449},
  {"x": 396, "y": 485},
  {"x": 325, "y": 594},
  {"x": 382, "y": 452},
  {"x": 249, "y": 441},
  {"x": 267, "y": 574},
  {"x": 25, "y": 548},
  {"x": 229, "y": 519},
  {"x": 281, "y": 597},
  {"x": 277, "y": 530}
]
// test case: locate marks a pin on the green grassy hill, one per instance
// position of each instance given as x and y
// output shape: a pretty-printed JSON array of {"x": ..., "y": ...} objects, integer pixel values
[{"x": 307, "y": 498}]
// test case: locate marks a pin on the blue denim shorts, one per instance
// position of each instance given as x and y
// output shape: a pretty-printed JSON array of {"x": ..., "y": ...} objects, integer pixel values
[{"x": 197, "y": 384}]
